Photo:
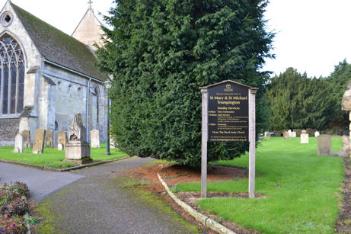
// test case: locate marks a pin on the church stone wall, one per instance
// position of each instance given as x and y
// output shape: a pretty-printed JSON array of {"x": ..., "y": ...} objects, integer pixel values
[{"x": 68, "y": 96}]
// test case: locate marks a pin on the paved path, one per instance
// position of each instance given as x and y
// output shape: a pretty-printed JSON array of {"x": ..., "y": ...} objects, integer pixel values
[
  {"x": 41, "y": 183},
  {"x": 98, "y": 204}
]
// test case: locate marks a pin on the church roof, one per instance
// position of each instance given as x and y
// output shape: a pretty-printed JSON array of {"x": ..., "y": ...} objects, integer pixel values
[{"x": 58, "y": 47}]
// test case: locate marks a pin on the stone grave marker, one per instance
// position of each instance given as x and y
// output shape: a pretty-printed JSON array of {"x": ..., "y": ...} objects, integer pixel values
[
  {"x": 324, "y": 145},
  {"x": 49, "y": 138},
  {"x": 293, "y": 134},
  {"x": 95, "y": 138},
  {"x": 18, "y": 143},
  {"x": 62, "y": 140},
  {"x": 346, "y": 149},
  {"x": 26, "y": 139},
  {"x": 304, "y": 137},
  {"x": 286, "y": 134},
  {"x": 77, "y": 149},
  {"x": 316, "y": 134},
  {"x": 39, "y": 140}
]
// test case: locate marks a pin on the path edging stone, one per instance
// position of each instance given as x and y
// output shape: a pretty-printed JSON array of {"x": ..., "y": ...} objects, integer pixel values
[{"x": 206, "y": 221}]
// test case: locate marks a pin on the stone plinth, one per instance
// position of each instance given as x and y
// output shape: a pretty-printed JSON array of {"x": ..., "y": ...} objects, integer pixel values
[{"x": 77, "y": 151}]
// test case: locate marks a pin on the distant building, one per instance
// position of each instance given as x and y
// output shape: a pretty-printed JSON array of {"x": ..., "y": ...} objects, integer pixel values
[{"x": 47, "y": 76}]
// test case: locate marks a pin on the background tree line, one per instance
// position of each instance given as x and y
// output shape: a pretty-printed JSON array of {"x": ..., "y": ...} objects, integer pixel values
[{"x": 296, "y": 101}]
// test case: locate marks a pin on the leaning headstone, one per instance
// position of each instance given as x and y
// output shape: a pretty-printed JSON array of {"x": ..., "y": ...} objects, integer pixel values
[
  {"x": 304, "y": 137},
  {"x": 26, "y": 139},
  {"x": 324, "y": 145},
  {"x": 39, "y": 140},
  {"x": 286, "y": 134},
  {"x": 62, "y": 140},
  {"x": 316, "y": 134},
  {"x": 77, "y": 149},
  {"x": 49, "y": 138},
  {"x": 95, "y": 138},
  {"x": 18, "y": 143}
]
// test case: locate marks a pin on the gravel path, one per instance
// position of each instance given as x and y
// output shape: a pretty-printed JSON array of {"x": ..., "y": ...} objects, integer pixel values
[
  {"x": 98, "y": 203},
  {"x": 41, "y": 183}
]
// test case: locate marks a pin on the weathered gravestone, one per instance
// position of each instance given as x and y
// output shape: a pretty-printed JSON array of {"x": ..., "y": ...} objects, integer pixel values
[
  {"x": 304, "y": 137},
  {"x": 113, "y": 143},
  {"x": 316, "y": 134},
  {"x": 18, "y": 143},
  {"x": 286, "y": 134},
  {"x": 62, "y": 140},
  {"x": 293, "y": 134},
  {"x": 77, "y": 149},
  {"x": 346, "y": 149},
  {"x": 49, "y": 138},
  {"x": 26, "y": 139},
  {"x": 267, "y": 134},
  {"x": 95, "y": 138},
  {"x": 324, "y": 144},
  {"x": 39, "y": 140}
]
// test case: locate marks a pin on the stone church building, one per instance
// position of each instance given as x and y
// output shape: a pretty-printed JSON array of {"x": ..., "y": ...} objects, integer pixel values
[{"x": 47, "y": 76}]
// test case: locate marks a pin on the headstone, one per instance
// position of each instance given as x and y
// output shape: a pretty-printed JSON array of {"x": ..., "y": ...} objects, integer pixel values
[
  {"x": 26, "y": 139},
  {"x": 62, "y": 140},
  {"x": 346, "y": 149},
  {"x": 324, "y": 145},
  {"x": 95, "y": 138},
  {"x": 39, "y": 139},
  {"x": 113, "y": 143},
  {"x": 286, "y": 134},
  {"x": 267, "y": 134},
  {"x": 289, "y": 133},
  {"x": 49, "y": 138},
  {"x": 304, "y": 137},
  {"x": 316, "y": 134},
  {"x": 18, "y": 143},
  {"x": 77, "y": 149},
  {"x": 293, "y": 134}
]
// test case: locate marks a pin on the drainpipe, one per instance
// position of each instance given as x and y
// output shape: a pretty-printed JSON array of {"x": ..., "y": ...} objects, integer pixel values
[{"x": 87, "y": 112}]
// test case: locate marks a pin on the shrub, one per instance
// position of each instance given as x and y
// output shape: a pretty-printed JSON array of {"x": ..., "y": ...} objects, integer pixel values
[
  {"x": 14, "y": 225},
  {"x": 18, "y": 206}
]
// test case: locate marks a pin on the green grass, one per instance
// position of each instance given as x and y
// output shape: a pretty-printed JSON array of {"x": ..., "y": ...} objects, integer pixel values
[
  {"x": 54, "y": 159},
  {"x": 302, "y": 190}
]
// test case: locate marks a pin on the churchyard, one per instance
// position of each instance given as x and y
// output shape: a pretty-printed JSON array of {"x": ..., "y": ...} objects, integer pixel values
[
  {"x": 54, "y": 159},
  {"x": 298, "y": 191}
]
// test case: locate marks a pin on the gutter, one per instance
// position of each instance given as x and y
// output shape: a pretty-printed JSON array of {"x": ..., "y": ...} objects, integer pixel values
[{"x": 73, "y": 71}]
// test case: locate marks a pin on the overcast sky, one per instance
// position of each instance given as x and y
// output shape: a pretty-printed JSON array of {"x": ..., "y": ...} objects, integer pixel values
[{"x": 311, "y": 35}]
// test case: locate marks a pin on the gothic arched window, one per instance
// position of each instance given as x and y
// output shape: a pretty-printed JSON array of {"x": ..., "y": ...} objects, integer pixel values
[{"x": 11, "y": 76}]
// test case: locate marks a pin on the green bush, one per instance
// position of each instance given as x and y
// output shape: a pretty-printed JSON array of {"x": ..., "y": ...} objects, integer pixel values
[{"x": 161, "y": 52}]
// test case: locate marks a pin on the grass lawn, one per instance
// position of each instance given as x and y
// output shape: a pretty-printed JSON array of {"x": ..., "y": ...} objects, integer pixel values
[
  {"x": 302, "y": 191},
  {"x": 52, "y": 158}
]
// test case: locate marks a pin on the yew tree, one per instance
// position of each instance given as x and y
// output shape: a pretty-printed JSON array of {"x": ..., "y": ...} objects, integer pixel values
[{"x": 160, "y": 52}]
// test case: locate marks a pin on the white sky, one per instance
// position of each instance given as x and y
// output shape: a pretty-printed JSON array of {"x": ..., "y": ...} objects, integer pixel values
[
  {"x": 63, "y": 14},
  {"x": 311, "y": 35}
]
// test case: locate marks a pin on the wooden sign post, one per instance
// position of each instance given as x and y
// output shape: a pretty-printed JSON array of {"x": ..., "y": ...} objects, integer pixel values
[{"x": 228, "y": 115}]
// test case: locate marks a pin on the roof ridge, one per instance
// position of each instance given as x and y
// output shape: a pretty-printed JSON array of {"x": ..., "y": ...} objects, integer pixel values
[
  {"x": 59, "y": 47},
  {"x": 50, "y": 25}
]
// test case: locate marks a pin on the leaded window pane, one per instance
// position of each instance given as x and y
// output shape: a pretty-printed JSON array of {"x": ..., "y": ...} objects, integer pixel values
[{"x": 11, "y": 76}]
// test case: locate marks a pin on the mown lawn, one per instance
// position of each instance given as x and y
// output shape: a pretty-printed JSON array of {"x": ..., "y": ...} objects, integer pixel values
[
  {"x": 52, "y": 158},
  {"x": 302, "y": 190}
]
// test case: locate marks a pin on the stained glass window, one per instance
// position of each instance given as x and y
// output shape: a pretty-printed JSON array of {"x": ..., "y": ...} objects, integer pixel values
[{"x": 11, "y": 76}]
